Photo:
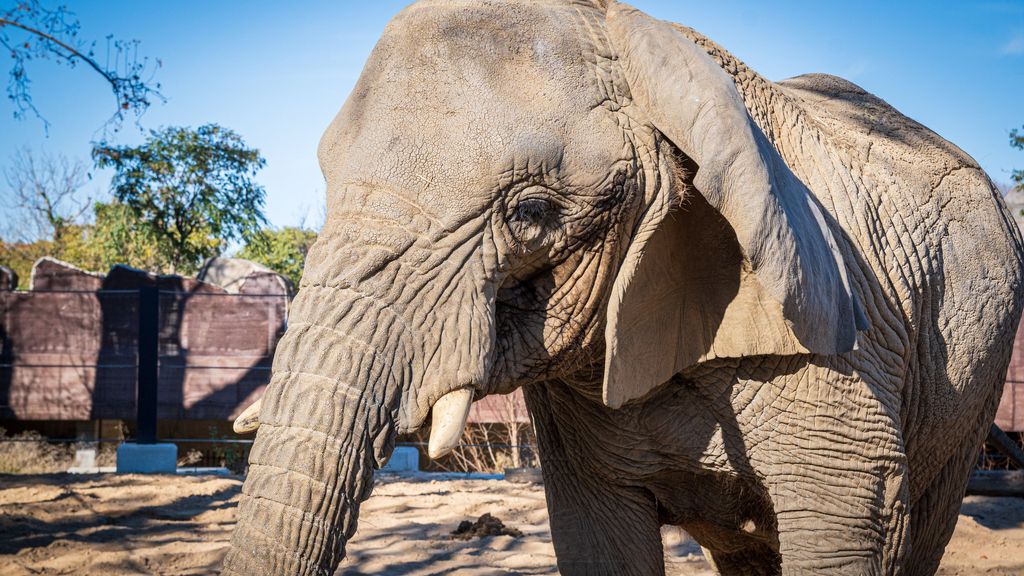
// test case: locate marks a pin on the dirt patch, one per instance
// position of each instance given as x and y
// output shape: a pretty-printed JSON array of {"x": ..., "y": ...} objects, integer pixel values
[
  {"x": 989, "y": 538},
  {"x": 108, "y": 524},
  {"x": 119, "y": 525}
]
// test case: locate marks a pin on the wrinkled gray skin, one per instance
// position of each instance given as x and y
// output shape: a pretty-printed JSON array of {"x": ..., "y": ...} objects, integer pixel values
[{"x": 800, "y": 301}]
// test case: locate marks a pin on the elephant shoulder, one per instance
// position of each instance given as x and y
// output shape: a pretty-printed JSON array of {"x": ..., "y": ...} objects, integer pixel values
[
  {"x": 827, "y": 86},
  {"x": 852, "y": 114},
  {"x": 838, "y": 137},
  {"x": 951, "y": 207}
]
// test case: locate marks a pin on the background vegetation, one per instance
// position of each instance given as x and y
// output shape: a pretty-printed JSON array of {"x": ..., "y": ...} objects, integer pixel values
[
  {"x": 181, "y": 197},
  {"x": 184, "y": 195},
  {"x": 1017, "y": 141}
]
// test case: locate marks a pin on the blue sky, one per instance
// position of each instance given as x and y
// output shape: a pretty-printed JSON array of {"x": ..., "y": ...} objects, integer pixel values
[{"x": 277, "y": 74}]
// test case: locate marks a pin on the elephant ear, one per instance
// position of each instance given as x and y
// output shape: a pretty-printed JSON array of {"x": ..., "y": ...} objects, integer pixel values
[{"x": 749, "y": 267}]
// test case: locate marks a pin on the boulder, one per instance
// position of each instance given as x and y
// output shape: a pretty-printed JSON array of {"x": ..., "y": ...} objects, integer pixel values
[{"x": 48, "y": 273}]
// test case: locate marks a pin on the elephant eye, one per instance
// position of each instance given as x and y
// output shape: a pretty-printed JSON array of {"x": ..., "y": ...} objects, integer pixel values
[
  {"x": 532, "y": 211},
  {"x": 531, "y": 220}
]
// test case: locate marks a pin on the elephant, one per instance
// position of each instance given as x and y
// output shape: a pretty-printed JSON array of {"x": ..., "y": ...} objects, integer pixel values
[{"x": 776, "y": 314}]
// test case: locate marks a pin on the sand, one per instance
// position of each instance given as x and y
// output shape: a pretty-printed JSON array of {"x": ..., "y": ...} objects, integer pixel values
[{"x": 109, "y": 524}]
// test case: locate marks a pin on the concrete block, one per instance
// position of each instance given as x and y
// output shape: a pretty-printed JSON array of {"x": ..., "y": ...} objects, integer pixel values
[
  {"x": 403, "y": 459},
  {"x": 147, "y": 458},
  {"x": 85, "y": 457}
]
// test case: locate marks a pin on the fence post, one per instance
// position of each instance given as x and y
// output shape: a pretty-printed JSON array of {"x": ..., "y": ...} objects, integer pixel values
[{"x": 148, "y": 369}]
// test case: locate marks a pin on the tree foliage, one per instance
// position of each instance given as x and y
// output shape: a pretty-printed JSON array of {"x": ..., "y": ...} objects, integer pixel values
[
  {"x": 20, "y": 256},
  {"x": 187, "y": 191},
  {"x": 111, "y": 239},
  {"x": 282, "y": 250},
  {"x": 114, "y": 238},
  {"x": 50, "y": 218},
  {"x": 1017, "y": 141},
  {"x": 30, "y": 31}
]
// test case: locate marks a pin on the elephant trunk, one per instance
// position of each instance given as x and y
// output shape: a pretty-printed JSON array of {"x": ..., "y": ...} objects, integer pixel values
[
  {"x": 325, "y": 421},
  {"x": 364, "y": 335}
]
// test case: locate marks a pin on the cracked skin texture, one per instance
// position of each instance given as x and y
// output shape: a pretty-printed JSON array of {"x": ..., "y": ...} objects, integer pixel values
[{"x": 501, "y": 184}]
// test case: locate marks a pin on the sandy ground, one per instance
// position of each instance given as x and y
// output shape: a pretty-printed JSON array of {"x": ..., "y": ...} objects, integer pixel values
[{"x": 108, "y": 524}]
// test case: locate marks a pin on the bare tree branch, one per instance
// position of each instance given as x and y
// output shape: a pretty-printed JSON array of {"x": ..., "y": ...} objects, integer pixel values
[
  {"x": 54, "y": 33},
  {"x": 46, "y": 190}
]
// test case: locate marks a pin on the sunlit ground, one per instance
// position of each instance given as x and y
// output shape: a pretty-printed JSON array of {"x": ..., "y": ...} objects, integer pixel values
[{"x": 110, "y": 524}]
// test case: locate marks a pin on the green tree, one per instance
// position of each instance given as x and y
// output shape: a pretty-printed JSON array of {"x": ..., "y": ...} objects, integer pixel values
[
  {"x": 188, "y": 191},
  {"x": 282, "y": 250},
  {"x": 20, "y": 256},
  {"x": 113, "y": 238},
  {"x": 1017, "y": 141}
]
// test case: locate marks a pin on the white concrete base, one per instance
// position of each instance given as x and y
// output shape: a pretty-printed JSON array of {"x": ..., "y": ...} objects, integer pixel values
[
  {"x": 204, "y": 470},
  {"x": 403, "y": 459},
  {"x": 93, "y": 470},
  {"x": 147, "y": 458},
  {"x": 85, "y": 457}
]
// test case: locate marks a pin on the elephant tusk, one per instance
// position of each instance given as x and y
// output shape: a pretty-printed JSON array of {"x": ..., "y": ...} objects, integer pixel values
[
  {"x": 249, "y": 419},
  {"x": 450, "y": 413}
]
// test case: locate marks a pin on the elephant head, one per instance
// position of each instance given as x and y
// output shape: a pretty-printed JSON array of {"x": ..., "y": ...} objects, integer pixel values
[{"x": 519, "y": 192}]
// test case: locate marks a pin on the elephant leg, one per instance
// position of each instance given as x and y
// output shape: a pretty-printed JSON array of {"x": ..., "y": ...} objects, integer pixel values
[
  {"x": 836, "y": 473},
  {"x": 933, "y": 516},
  {"x": 597, "y": 527},
  {"x": 825, "y": 530}
]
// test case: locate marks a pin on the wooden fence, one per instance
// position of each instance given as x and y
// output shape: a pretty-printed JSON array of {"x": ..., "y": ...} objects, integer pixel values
[{"x": 69, "y": 349}]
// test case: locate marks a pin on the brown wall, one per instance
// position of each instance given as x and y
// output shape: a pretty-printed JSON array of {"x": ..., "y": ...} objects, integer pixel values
[
  {"x": 1010, "y": 416},
  {"x": 67, "y": 352},
  {"x": 70, "y": 354}
]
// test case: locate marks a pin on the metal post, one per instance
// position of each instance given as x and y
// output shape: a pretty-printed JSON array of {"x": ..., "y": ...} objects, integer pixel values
[{"x": 145, "y": 398}]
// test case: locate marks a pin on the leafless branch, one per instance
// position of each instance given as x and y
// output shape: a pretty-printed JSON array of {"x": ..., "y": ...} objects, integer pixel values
[
  {"x": 42, "y": 33},
  {"x": 45, "y": 191}
]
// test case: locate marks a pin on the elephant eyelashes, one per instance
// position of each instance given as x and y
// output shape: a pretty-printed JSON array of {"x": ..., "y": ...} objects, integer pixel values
[
  {"x": 530, "y": 220},
  {"x": 534, "y": 211}
]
